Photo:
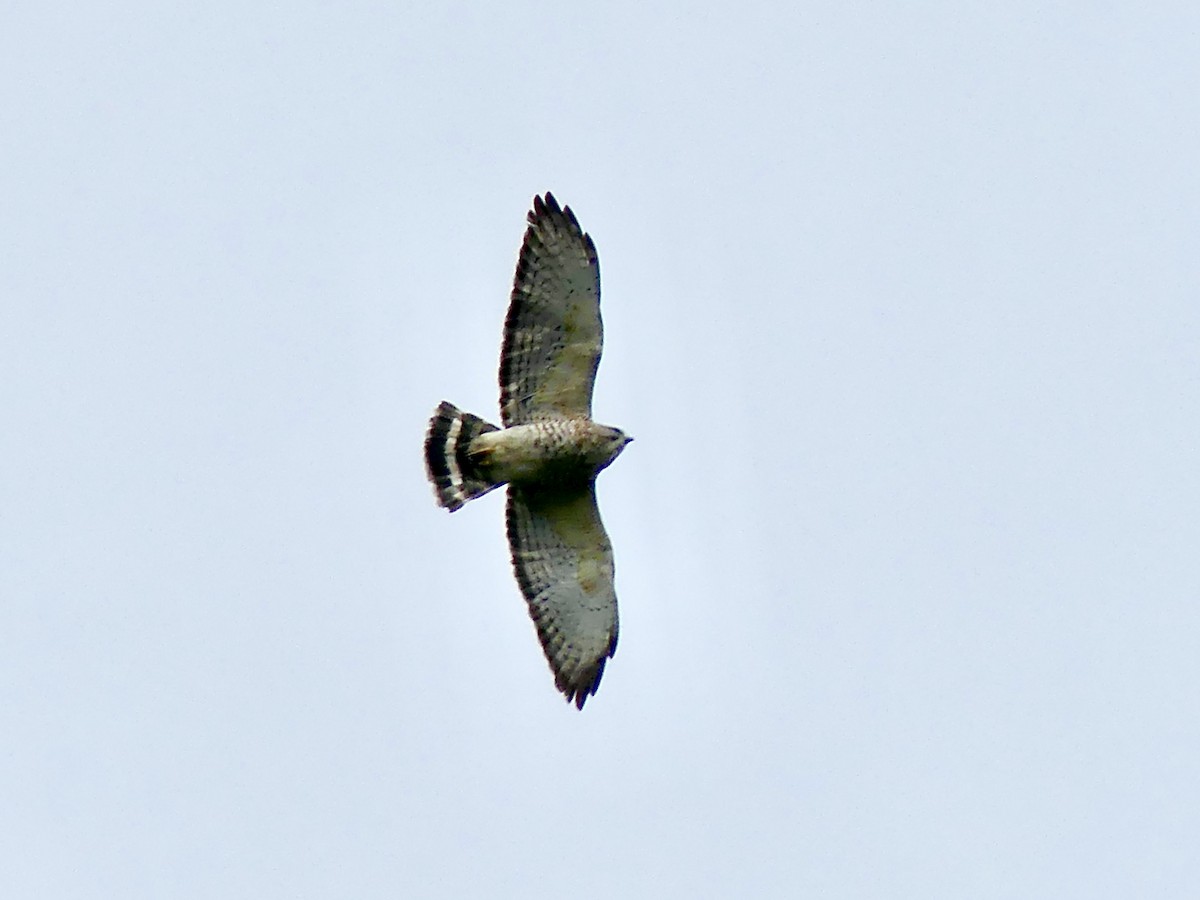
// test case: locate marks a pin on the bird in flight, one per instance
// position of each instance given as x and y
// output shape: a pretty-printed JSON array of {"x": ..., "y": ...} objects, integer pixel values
[{"x": 549, "y": 451}]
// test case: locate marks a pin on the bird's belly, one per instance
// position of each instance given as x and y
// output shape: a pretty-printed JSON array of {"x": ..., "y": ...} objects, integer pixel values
[{"x": 543, "y": 453}]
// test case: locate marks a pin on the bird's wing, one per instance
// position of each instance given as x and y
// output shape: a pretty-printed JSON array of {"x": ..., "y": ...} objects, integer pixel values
[
  {"x": 564, "y": 565},
  {"x": 552, "y": 335}
]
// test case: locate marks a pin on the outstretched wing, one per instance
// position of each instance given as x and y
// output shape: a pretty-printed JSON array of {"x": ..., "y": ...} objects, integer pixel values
[
  {"x": 553, "y": 335},
  {"x": 564, "y": 565}
]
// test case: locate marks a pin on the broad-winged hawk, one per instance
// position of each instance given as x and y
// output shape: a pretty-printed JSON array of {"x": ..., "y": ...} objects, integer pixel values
[{"x": 549, "y": 451}]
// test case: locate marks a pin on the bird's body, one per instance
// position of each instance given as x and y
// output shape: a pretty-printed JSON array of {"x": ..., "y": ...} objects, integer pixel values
[
  {"x": 549, "y": 451},
  {"x": 552, "y": 451}
]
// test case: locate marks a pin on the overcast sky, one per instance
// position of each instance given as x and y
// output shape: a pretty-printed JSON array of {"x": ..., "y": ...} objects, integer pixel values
[{"x": 902, "y": 304}]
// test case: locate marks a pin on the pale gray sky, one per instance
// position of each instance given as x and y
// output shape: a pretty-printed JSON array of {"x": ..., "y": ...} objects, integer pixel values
[{"x": 902, "y": 306}]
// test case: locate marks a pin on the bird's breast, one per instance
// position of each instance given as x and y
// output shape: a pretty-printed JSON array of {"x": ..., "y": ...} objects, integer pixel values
[{"x": 545, "y": 452}]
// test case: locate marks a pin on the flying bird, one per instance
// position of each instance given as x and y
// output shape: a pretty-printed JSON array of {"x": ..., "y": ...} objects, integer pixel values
[{"x": 549, "y": 451}]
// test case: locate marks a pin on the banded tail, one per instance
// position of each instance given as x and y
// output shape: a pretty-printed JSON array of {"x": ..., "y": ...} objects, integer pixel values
[{"x": 456, "y": 477}]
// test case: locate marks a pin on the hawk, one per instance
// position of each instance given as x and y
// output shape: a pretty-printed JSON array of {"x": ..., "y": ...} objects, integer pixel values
[{"x": 549, "y": 451}]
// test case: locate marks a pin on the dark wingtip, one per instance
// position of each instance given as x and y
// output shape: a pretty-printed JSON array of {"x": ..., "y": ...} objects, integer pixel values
[
  {"x": 546, "y": 205},
  {"x": 542, "y": 206},
  {"x": 579, "y": 692}
]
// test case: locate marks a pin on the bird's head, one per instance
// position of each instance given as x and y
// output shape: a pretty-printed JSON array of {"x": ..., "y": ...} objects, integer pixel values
[{"x": 612, "y": 442}]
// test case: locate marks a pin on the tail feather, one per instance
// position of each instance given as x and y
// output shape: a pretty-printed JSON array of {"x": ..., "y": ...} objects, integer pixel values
[{"x": 456, "y": 477}]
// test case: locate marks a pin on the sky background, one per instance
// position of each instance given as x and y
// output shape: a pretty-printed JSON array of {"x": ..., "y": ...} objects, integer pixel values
[{"x": 902, "y": 305}]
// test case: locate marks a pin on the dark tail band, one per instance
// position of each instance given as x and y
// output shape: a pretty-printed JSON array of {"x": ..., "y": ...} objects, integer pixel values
[{"x": 455, "y": 476}]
